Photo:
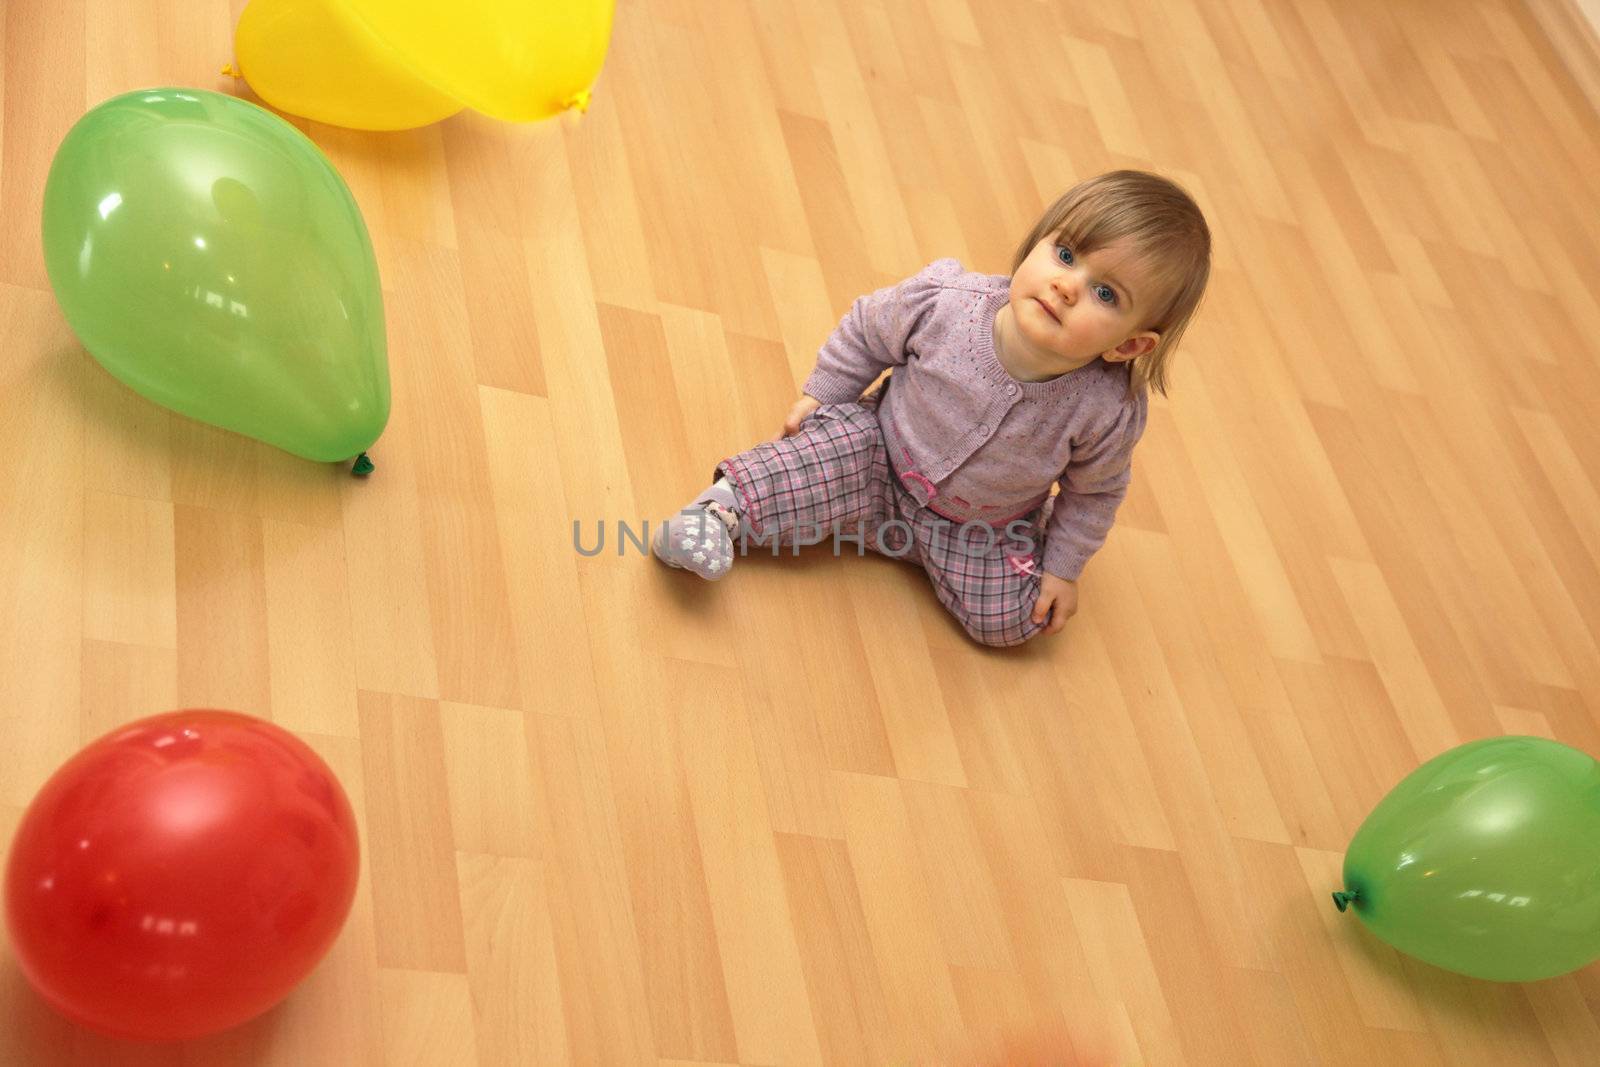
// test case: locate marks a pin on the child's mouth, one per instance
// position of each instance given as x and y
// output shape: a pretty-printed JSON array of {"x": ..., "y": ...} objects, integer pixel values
[{"x": 1048, "y": 310}]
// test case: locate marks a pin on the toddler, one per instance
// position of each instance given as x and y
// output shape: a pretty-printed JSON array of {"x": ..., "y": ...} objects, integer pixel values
[{"x": 1000, "y": 388}]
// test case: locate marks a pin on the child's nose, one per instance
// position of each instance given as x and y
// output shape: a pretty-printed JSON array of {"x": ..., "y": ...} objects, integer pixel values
[{"x": 1067, "y": 286}]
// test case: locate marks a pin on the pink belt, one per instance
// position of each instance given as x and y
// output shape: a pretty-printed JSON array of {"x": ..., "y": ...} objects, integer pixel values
[
  {"x": 933, "y": 491},
  {"x": 913, "y": 476},
  {"x": 921, "y": 480}
]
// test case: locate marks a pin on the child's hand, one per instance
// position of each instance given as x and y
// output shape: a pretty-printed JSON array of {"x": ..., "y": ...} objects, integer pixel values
[
  {"x": 797, "y": 414},
  {"x": 1058, "y": 602}
]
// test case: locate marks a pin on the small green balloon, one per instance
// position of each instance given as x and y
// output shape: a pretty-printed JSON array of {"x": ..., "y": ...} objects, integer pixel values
[
  {"x": 210, "y": 257},
  {"x": 1486, "y": 861}
]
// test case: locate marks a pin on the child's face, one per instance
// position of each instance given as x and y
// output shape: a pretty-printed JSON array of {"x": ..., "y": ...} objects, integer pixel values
[{"x": 1070, "y": 308}]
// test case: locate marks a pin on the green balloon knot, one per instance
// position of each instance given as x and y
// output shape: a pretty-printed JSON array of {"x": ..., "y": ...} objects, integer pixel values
[
  {"x": 363, "y": 466},
  {"x": 1343, "y": 900}
]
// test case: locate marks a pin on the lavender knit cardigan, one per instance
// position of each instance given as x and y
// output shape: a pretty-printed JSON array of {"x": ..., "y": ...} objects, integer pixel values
[{"x": 970, "y": 441}]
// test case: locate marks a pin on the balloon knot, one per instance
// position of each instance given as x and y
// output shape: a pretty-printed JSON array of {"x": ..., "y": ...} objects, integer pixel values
[
  {"x": 1343, "y": 900},
  {"x": 231, "y": 71},
  {"x": 363, "y": 466},
  {"x": 579, "y": 100}
]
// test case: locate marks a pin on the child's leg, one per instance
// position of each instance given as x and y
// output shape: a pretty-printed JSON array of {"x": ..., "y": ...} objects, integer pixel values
[
  {"x": 989, "y": 585},
  {"x": 800, "y": 489}
]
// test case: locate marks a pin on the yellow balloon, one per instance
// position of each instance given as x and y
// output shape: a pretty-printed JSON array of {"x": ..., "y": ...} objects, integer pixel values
[
  {"x": 397, "y": 64},
  {"x": 518, "y": 60},
  {"x": 313, "y": 58}
]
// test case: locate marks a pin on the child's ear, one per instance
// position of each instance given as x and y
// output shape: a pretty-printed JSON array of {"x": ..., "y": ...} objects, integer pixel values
[{"x": 1134, "y": 347}]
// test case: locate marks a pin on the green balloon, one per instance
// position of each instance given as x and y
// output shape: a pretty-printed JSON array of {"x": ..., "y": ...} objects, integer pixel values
[
  {"x": 208, "y": 254},
  {"x": 1486, "y": 861}
]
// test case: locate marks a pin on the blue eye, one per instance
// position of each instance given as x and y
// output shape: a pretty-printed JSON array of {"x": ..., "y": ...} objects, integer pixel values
[{"x": 1064, "y": 255}]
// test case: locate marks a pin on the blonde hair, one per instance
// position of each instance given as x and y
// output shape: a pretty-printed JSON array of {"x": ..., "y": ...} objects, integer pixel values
[{"x": 1164, "y": 228}]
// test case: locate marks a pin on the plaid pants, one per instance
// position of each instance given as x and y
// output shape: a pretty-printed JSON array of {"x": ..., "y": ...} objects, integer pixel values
[{"x": 833, "y": 481}]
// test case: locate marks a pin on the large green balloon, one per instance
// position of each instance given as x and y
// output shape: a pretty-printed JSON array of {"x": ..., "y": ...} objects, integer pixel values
[
  {"x": 1486, "y": 861},
  {"x": 210, "y": 257}
]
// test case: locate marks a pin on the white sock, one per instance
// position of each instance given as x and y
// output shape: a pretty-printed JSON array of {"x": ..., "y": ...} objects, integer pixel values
[{"x": 728, "y": 513}]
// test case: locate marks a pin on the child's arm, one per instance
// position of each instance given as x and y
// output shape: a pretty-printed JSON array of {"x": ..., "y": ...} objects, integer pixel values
[
  {"x": 874, "y": 335},
  {"x": 1092, "y": 488}
]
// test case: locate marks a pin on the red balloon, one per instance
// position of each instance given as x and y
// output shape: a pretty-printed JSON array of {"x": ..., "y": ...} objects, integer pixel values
[{"x": 180, "y": 875}]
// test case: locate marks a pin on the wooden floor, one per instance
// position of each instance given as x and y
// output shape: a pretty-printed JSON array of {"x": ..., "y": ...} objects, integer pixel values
[{"x": 612, "y": 815}]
